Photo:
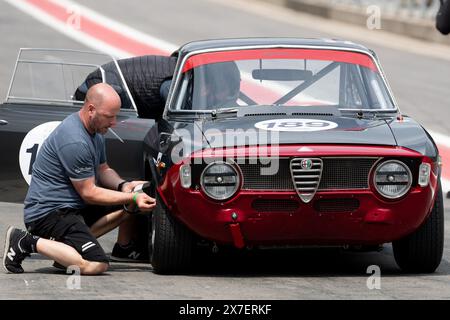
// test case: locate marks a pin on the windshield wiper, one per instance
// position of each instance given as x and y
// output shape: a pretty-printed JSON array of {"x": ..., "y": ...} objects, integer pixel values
[
  {"x": 220, "y": 111},
  {"x": 369, "y": 114}
]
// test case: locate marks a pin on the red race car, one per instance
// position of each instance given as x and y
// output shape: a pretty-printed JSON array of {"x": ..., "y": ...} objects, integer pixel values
[{"x": 279, "y": 141}]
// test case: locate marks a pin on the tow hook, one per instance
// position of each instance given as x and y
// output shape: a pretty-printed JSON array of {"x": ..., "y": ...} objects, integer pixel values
[{"x": 238, "y": 238}]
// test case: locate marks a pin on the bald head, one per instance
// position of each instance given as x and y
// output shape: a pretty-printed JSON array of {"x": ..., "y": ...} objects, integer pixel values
[
  {"x": 102, "y": 95},
  {"x": 101, "y": 106}
]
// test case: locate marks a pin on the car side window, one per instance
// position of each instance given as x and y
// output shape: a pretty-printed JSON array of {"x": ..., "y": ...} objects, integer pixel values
[{"x": 352, "y": 95}]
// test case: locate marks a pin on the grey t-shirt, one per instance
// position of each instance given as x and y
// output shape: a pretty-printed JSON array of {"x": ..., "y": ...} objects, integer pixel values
[{"x": 69, "y": 152}]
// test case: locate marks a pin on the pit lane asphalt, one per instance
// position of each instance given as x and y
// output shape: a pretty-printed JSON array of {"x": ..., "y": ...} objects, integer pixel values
[
  {"x": 419, "y": 83},
  {"x": 285, "y": 274}
]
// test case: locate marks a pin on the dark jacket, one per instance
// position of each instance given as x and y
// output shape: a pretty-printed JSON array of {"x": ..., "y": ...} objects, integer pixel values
[{"x": 144, "y": 76}]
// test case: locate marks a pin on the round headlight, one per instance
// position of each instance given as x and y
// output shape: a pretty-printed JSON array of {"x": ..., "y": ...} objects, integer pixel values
[
  {"x": 220, "y": 180},
  {"x": 392, "y": 179}
]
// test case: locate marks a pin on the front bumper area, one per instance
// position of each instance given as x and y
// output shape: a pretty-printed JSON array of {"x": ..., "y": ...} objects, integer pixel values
[
  {"x": 274, "y": 217},
  {"x": 373, "y": 222}
]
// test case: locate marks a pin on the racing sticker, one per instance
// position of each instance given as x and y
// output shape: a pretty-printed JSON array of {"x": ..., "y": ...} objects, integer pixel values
[
  {"x": 30, "y": 147},
  {"x": 297, "y": 125}
]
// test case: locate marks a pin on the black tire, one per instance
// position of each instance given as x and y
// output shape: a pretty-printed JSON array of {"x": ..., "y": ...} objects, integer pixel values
[
  {"x": 171, "y": 244},
  {"x": 421, "y": 251}
]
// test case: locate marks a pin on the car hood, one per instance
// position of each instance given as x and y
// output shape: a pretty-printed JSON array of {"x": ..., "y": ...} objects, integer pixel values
[
  {"x": 254, "y": 130},
  {"x": 229, "y": 132}
]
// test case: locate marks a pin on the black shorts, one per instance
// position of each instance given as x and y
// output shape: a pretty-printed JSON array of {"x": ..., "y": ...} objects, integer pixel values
[{"x": 71, "y": 226}]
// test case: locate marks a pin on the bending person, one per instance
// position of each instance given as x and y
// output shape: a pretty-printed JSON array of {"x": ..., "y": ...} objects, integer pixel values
[{"x": 68, "y": 204}]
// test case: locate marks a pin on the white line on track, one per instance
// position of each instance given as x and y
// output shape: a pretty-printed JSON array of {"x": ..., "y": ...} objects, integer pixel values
[
  {"x": 440, "y": 138},
  {"x": 443, "y": 140},
  {"x": 118, "y": 27},
  {"x": 445, "y": 186},
  {"x": 63, "y": 28}
]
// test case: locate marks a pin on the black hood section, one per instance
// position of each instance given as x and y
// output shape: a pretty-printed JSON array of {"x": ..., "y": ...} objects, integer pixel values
[
  {"x": 409, "y": 134},
  {"x": 178, "y": 138},
  {"x": 249, "y": 129},
  {"x": 225, "y": 130}
]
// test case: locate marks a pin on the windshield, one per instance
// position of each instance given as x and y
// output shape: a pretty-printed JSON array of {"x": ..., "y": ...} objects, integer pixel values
[
  {"x": 281, "y": 77},
  {"x": 62, "y": 77}
]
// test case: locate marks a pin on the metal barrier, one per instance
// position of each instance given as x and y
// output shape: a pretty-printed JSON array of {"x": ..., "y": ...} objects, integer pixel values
[{"x": 422, "y": 9}]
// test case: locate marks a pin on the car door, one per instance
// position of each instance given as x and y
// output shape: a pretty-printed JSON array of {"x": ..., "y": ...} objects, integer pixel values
[
  {"x": 25, "y": 126},
  {"x": 18, "y": 154},
  {"x": 41, "y": 94}
]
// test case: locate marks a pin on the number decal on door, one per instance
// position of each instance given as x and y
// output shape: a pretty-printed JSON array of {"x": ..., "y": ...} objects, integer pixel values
[
  {"x": 33, "y": 150},
  {"x": 30, "y": 147}
]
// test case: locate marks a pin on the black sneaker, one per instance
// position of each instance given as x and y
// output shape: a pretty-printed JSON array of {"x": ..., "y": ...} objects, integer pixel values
[
  {"x": 14, "y": 254},
  {"x": 59, "y": 266},
  {"x": 128, "y": 253}
]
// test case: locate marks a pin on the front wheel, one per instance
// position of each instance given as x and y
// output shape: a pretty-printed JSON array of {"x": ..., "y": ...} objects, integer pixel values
[
  {"x": 171, "y": 243},
  {"x": 422, "y": 250}
]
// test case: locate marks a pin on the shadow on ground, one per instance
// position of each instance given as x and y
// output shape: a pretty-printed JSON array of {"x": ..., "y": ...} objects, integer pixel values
[{"x": 311, "y": 262}]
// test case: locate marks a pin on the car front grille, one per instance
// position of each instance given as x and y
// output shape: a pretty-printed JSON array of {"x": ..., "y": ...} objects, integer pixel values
[
  {"x": 306, "y": 175},
  {"x": 337, "y": 174},
  {"x": 262, "y": 176},
  {"x": 346, "y": 173}
]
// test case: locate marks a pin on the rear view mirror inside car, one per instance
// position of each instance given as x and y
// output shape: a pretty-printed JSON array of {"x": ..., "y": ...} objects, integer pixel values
[{"x": 282, "y": 74}]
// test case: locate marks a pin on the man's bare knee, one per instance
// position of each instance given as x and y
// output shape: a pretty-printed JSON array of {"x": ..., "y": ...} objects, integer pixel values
[
  {"x": 102, "y": 267},
  {"x": 93, "y": 268}
]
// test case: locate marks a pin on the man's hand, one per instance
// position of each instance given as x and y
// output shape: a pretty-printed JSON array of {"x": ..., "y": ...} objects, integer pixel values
[
  {"x": 129, "y": 186},
  {"x": 144, "y": 202},
  {"x": 141, "y": 200}
]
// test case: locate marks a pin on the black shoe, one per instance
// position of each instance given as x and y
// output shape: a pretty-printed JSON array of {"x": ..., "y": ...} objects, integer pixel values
[
  {"x": 59, "y": 266},
  {"x": 129, "y": 253},
  {"x": 14, "y": 254}
]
